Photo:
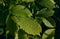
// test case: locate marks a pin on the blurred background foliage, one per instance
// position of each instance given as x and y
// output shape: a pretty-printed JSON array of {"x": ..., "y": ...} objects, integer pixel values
[{"x": 46, "y": 12}]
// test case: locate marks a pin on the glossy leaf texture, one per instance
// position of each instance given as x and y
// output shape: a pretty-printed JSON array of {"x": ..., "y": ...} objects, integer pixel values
[
  {"x": 20, "y": 10},
  {"x": 45, "y": 12},
  {"x": 49, "y": 22},
  {"x": 48, "y": 34},
  {"x": 29, "y": 25},
  {"x": 47, "y": 3},
  {"x": 11, "y": 25}
]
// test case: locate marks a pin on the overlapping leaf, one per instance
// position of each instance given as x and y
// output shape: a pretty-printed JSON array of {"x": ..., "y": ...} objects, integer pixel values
[
  {"x": 47, "y": 3},
  {"x": 20, "y": 10},
  {"x": 49, "y": 22},
  {"x": 28, "y": 25},
  {"x": 48, "y": 34},
  {"x": 45, "y": 12}
]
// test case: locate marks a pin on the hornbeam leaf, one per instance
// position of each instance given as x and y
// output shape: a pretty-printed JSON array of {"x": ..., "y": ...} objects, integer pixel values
[
  {"x": 47, "y": 3},
  {"x": 20, "y": 10},
  {"x": 48, "y": 34},
  {"x": 49, "y": 22},
  {"x": 45, "y": 12},
  {"x": 29, "y": 25}
]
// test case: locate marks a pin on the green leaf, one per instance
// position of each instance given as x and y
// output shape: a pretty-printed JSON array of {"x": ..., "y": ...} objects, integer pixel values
[
  {"x": 27, "y": 0},
  {"x": 47, "y": 3},
  {"x": 48, "y": 34},
  {"x": 29, "y": 25},
  {"x": 20, "y": 10},
  {"x": 52, "y": 1},
  {"x": 11, "y": 25},
  {"x": 49, "y": 22},
  {"x": 45, "y": 12},
  {"x": 16, "y": 35}
]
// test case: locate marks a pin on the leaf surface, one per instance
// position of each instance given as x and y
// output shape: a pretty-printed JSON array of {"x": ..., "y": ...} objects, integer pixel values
[
  {"x": 29, "y": 25},
  {"x": 20, "y": 10},
  {"x": 45, "y": 12},
  {"x": 48, "y": 34},
  {"x": 49, "y": 22},
  {"x": 47, "y": 3}
]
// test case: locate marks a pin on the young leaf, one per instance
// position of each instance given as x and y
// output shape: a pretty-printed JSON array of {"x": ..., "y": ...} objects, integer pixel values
[
  {"x": 20, "y": 10},
  {"x": 45, "y": 12},
  {"x": 47, "y": 3},
  {"x": 48, "y": 34},
  {"x": 49, "y": 22},
  {"x": 28, "y": 25}
]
